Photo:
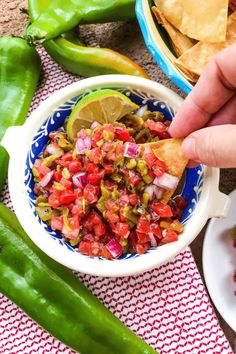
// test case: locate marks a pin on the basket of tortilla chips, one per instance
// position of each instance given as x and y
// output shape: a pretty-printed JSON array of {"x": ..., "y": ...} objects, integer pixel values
[{"x": 184, "y": 35}]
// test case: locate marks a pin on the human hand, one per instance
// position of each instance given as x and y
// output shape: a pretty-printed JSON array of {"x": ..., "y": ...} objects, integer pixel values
[{"x": 207, "y": 117}]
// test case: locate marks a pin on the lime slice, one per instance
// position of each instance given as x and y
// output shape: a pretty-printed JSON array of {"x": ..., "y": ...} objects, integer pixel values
[{"x": 103, "y": 106}]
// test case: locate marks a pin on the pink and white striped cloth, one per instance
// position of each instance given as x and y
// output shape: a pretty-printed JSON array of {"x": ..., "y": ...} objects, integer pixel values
[{"x": 167, "y": 307}]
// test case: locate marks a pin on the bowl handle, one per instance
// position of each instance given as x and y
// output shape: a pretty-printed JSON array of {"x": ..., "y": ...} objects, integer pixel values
[
  {"x": 220, "y": 205},
  {"x": 11, "y": 138}
]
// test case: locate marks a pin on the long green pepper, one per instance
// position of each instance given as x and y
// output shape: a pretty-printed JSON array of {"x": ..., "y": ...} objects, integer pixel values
[
  {"x": 54, "y": 297},
  {"x": 68, "y": 51},
  {"x": 62, "y": 16},
  {"x": 19, "y": 74}
]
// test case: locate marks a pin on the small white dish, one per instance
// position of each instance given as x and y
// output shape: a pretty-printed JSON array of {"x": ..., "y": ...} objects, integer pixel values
[{"x": 219, "y": 262}]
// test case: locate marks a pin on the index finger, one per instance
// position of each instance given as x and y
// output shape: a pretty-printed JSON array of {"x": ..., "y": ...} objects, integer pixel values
[{"x": 215, "y": 87}]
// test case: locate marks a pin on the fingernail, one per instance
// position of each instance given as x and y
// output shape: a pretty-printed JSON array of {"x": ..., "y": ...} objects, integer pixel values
[{"x": 189, "y": 148}]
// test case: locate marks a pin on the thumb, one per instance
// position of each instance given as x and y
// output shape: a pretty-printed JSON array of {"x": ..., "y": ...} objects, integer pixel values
[{"x": 212, "y": 146}]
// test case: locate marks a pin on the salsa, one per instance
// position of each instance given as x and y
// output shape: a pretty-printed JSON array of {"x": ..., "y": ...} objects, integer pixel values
[{"x": 102, "y": 194}]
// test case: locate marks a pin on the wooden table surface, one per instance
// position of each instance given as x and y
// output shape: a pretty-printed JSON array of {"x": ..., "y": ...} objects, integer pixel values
[{"x": 126, "y": 38}]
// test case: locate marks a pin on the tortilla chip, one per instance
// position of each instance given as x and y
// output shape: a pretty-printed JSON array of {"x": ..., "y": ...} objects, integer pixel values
[
  {"x": 180, "y": 42},
  {"x": 205, "y": 20},
  {"x": 172, "y": 10},
  {"x": 171, "y": 153},
  {"x": 201, "y": 20},
  {"x": 199, "y": 55}
]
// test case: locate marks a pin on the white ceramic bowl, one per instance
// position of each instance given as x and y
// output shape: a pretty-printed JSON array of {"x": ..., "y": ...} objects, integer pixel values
[{"x": 25, "y": 143}]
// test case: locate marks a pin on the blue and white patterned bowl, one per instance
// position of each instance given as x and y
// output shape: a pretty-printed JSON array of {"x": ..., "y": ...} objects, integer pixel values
[
  {"x": 27, "y": 142},
  {"x": 159, "y": 45}
]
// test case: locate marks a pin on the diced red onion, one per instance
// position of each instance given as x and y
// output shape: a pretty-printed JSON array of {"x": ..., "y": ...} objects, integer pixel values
[
  {"x": 80, "y": 179},
  {"x": 82, "y": 145},
  {"x": 131, "y": 150},
  {"x": 53, "y": 149},
  {"x": 46, "y": 179},
  {"x": 95, "y": 124},
  {"x": 114, "y": 248},
  {"x": 154, "y": 191},
  {"x": 152, "y": 239},
  {"x": 166, "y": 181},
  {"x": 141, "y": 110}
]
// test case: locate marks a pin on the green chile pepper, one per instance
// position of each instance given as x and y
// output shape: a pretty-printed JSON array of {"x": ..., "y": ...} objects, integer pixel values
[
  {"x": 68, "y": 51},
  {"x": 61, "y": 16},
  {"x": 19, "y": 74},
  {"x": 55, "y": 298}
]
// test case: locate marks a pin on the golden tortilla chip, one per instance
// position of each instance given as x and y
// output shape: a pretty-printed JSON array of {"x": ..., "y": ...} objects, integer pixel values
[
  {"x": 180, "y": 42},
  {"x": 201, "y": 20},
  {"x": 199, "y": 55},
  {"x": 205, "y": 20},
  {"x": 170, "y": 151},
  {"x": 172, "y": 10}
]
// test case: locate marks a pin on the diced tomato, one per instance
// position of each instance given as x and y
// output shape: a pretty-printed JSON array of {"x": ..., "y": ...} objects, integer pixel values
[
  {"x": 140, "y": 249},
  {"x": 143, "y": 238},
  {"x": 155, "y": 127},
  {"x": 85, "y": 247},
  {"x": 159, "y": 167},
  {"x": 95, "y": 155},
  {"x": 134, "y": 178},
  {"x": 76, "y": 209},
  {"x": 91, "y": 193},
  {"x": 96, "y": 218},
  {"x": 57, "y": 223},
  {"x": 156, "y": 230},
  {"x": 67, "y": 197},
  {"x": 111, "y": 217},
  {"x": 169, "y": 236},
  {"x": 66, "y": 183},
  {"x": 54, "y": 200},
  {"x": 92, "y": 168},
  {"x": 97, "y": 135},
  {"x": 95, "y": 249},
  {"x": 133, "y": 199},
  {"x": 57, "y": 176},
  {"x": 124, "y": 200},
  {"x": 100, "y": 229},
  {"x": 110, "y": 185},
  {"x": 74, "y": 222},
  {"x": 108, "y": 146},
  {"x": 106, "y": 254},
  {"x": 163, "y": 210},
  {"x": 112, "y": 206},
  {"x": 122, "y": 134},
  {"x": 149, "y": 157},
  {"x": 121, "y": 230},
  {"x": 42, "y": 171},
  {"x": 67, "y": 157},
  {"x": 109, "y": 127},
  {"x": 96, "y": 178},
  {"x": 109, "y": 168},
  {"x": 143, "y": 226},
  {"x": 119, "y": 151},
  {"x": 75, "y": 166}
]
